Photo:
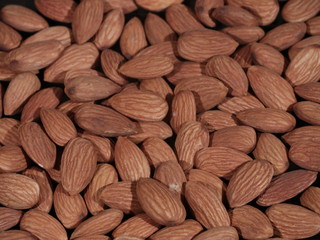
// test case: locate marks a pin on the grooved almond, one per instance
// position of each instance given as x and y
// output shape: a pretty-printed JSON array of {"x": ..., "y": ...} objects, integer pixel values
[
  {"x": 75, "y": 73},
  {"x": 14, "y": 234},
  {"x": 310, "y": 199},
  {"x": 227, "y": 233},
  {"x": 70, "y": 107},
  {"x": 37, "y": 145},
  {"x": 243, "y": 56},
  {"x": 9, "y": 134},
  {"x": 302, "y": 134},
  {"x": 286, "y": 186},
  {"x": 245, "y": 34},
  {"x": 9, "y": 218},
  {"x": 309, "y": 41},
  {"x": 12, "y": 159},
  {"x": 203, "y": 9},
  {"x": 216, "y": 119},
  {"x": 159, "y": 86},
  {"x": 313, "y": 26},
  {"x": 300, "y": 11},
  {"x": 248, "y": 182},
  {"x": 127, "y": 6},
  {"x": 308, "y": 111},
  {"x": 10, "y": 38}
]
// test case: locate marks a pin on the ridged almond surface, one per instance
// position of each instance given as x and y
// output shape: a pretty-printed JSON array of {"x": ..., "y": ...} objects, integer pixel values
[
  {"x": 130, "y": 161},
  {"x": 10, "y": 38},
  {"x": 271, "y": 149},
  {"x": 79, "y": 154},
  {"x": 9, "y": 218},
  {"x": 300, "y": 11},
  {"x": 86, "y": 20},
  {"x": 156, "y": 5},
  {"x": 309, "y": 91},
  {"x": 181, "y": 18},
  {"x": 310, "y": 199},
  {"x": 203, "y": 10},
  {"x": 110, "y": 29},
  {"x": 162, "y": 33},
  {"x": 217, "y": 233},
  {"x": 192, "y": 137},
  {"x": 74, "y": 57},
  {"x": 245, "y": 34},
  {"x": 267, "y": 120},
  {"x": 45, "y": 98},
  {"x": 140, "y": 105},
  {"x": 251, "y": 223},
  {"x": 34, "y": 220},
  {"x": 271, "y": 89},
  {"x": 94, "y": 237},
  {"x": 127, "y": 6},
  {"x": 133, "y": 38},
  {"x": 159, "y": 86},
  {"x": 216, "y": 119},
  {"x": 201, "y": 45},
  {"x": 243, "y": 56},
  {"x": 110, "y": 62},
  {"x": 104, "y": 121},
  {"x": 313, "y": 26},
  {"x": 122, "y": 196},
  {"x": 75, "y": 73},
  {"x": 46, "y": 197},
  {"x": 241, "y": 138},
  {"x": 305, "y": 155},
  {"x": 208, "y": 91},
  {"x": 70, "y": 107},
  {"x": 70, "y": 210},
  {"x": 248, "y": 182},
  {"x": 308, "y": 111},
  {"x": 14, "y": 234},
  {"x": 208, "y": 210},
  {"x": 57, "y": 10},
  {"x": 140, "y": 225},
  {"x": 293, "y": 221},
  {"x": 159, "y": 203},
  {"x": 220, "y": 161},
  {"x": 12, "y": 159},
  {"x": 37, "y": 145},
  {"x": 286, "y": 186},
  {"x": 9, "y": 134},
  {"x": 22, "y": 18},
  {"x": 306, "y": 42},
  {"x": 58, "y": 126},
  {"x": 105, "y": 174}
]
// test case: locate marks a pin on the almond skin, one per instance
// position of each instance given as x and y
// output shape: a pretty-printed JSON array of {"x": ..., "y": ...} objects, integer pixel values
[
  {"x": 12, "y": 159},
  {"x": 34, "y": 220},
  {"x": 313, "y": 26},
  {"x": 309, "y": 41},
  {"x": 216, "y": 119},
  {"x": 9, "y": 134},
  {"x": 228, "y": 233},
  {"x": 309, "y": 91},
  {"x": 286, "y": 186},
  {"x": 9, "y": 218},
  {"x": 302, "y": 134},
  {"x": 305, "y": 155},
  {"x": 245, "y": 34},
  {"x": 155, "y": 5},
  {"x": 37, "y": 145},
  {"x": 14, "y": 234},
  {"x": 78, "y": 154},
  {"x": 307, "y": 111},
  {"x": 243, "y": 56},
  {"x": 159, "y": 86},
  {"x": 310, "y": 199},
  {"x": 203, "y": 9},
  {"x": 200, "y": 45},
  {"x": 127, "y": 6},
  {"x": 248, "y": 182},
  {"x": 208, "y": 210},
  {"x": 10, "y": 38},
  {"x": 300, "y": 11},
  {"x": 293, "y": 221},
  {"x": 154, "y": 197}
]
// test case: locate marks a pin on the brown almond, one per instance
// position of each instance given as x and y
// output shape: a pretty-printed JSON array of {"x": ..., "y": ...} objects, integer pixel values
[
  {"x": 245, "y": 34},
  {"x": 243, "y": 56},
  {"x": 75, "y": 73},
  {"x": 127, "y": 6},
  {"x": 309, "y": 41},
  {"x": 70, "y": 107},
  {"x": 310, "y": 199},
  {"x": 203, "y": 10},
  {"x": 10, "y": 38},
  {"x": 300, "y": 11},
  {"x": 9, "y": 218},
  {"x": 9, "y": 134},
  {"x": 159, "y": 86},
  {"x": 302, "y": 134},
  {"x": 308, "y": 111},
  {"x": 155, "y": 5},
  {"x": 12, "y": 159},
  {"x": 216, "y": 119},
  {"x": 216, "y": 233},
  {"x": 304, "y": 154},
  {"x": 14, "y": 234},
  {"x": 286, "y": 186},
  {"x": 313, "y": 26}
]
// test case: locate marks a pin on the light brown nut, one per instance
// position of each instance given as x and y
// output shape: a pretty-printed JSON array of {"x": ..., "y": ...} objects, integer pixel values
[
  {"x": 9, "y": 218},
  {"x": 300, "y": 11},
  {"x": 127, "y": 6},
  {"x": 306, "y": 42},
  {"x": 14, "y": 234},
  {"x": 216, "y": 119},
  {"x": 308, "y": 111},
  {"x": 313, "y": 26},
  {"x": 245, "y": 34},
  {"x": 243, "y": 56},
  {"x": 10, "y": 38},
  {"x": 159, "y": 86},
  {"x": 203, "y": 9},
  {"x": 228, "y": 233},
  {"x": 156, "y": 5},
  {"x": 12, "y": 159},
  {"x": 310, "y": 199},
  {"x": 238, "y": 104},
  {"x": 304, "y": 154},
  {"x": 9, "y": 134}
]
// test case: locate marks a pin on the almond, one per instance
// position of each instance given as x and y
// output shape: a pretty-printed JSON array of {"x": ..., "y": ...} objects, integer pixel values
[
  {"x": 127, "y": 6},
  {"x": 12, "y": 159},
  {"x": 248, "y": 182},
  {"x": 310, "y": 199},
  {"x": 37, "y": 145},
  {"x": 230, "y": 73},
  {"x": 140, "y": 225},
  {"x": 70, "y": 107},
  {"x": 292, "y": 221},
  {"x": 57, "y": 10},
  {"x": 133, "y": 38},
  {"x": 243, "y": 56},
  {"x": 18, "y": 191},
  {"x": 34, "y": 220},
  {"x": 200, "y": 45},
  {"x": 186, "y": 230},
  {"x": 307, "y": 111},
  {"x": 75, "y": 73},
  {"x": 313, "y": 26},
  {"x": 94, "y": 237},
  {"x": 245, "y": 34},
  {"x": 228, "y": 233},
  {"x": 111, "y": 123},
  {"x": 241, "y": 138},
  {"x": 20, "y": 88},
  {"x": 251, "y": 223},
  {"x": 86, "y": 20},
  {"x": 45, "y": 98},
  {"x": 122, "y": 196},
  {"x": 208, "y": 210},
  {"x": 9, "y": 134},
  {"x": 10, "y": 38},
  {"x": 310, "y": 41},
  {"x": 162, "y": 33},
  {"x": 9, "y": 218},
  {"x": 14, "y": 234},
  {"x": 159, "y": 86},
  {"x": 271, "y": 149},
  {"x": 300, "y": 11},
  {"x": 105, "y": 174},
  {"x": 267, "y": 120},
  {"x": 286, "y": 186},
  {"x": 302, "y": 134},
  {"x": 154, "y": 196},
  {"x": 54, "y": 174},
  {"x": 216, "y": 119},
  {"x": 271, "y": 89},
  {"x": 203, "y": 9},
  {"x": 220, "y": 161}
]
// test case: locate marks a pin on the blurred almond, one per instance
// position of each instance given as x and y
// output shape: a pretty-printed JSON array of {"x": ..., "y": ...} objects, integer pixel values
[
  {"x": 155, "y": 5},
  {"x": 127, "y": 6},
  {"x": 216, "y": 233},
  {"x": 10, "y": 38},
  {"x": 313, "y": 26},
  {"x": 216, "y": 119},
  {"x": 245, "y": 34},
  {"x": 300, "y": 11},
  {"x": 310, "y": 199},
  {"x": 302, "y": 134},
  {"x": 9, "y": 218},
  {"x": 12, "y": 159},
  {"x": 203, "y": 9},
  {"x": 308, "y": 111},
  {"x": 9, "y": 134}
]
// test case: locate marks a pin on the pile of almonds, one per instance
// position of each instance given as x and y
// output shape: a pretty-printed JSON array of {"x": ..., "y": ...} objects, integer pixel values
[{"x": 201, "y": 122}]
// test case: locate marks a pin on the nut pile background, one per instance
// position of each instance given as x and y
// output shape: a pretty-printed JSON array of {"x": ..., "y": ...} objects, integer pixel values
[{"x": 160, "y": 119}]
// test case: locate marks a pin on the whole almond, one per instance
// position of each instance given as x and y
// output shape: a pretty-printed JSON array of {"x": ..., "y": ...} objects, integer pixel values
[
  {"x": 159, "y": 86},
  {"x": 300, "y": 11},
  {"x": 245, "y": 34},
  {"x": 203, "y": 9},
  {"x": 251, "y": 223},
  {"x": 228, "y": 233},
  {"x": 111, "y": 123},
  {"x": 186, "y": 230},
  {"x": 140, "y": 225},
  {"x": 286, "y": 186},
  {"x": 248, "y": 182},
  {"x": 9, "y": 134},
  {"x": 14, "y": 234},
  {"x": 37, "y": 145},
  {"x": 306, "y": 42},
  {"x": 10, "y": 38},
  {"x": 229, "y": 72},
  {"x": 57, "y": 10},
  {"x": 9, "y": 218},
  {"x": 293, "y": 221},
  {"x": 200, "y": 45},
  {"x": 18, "y": 191},
  {"x": 154, "y": 196},
  {"x": 12, "y": 159},
  {"x": 86, "y": 20},
  {"x": 310, "y": 199},
  {"x": 133, "y": 38},
  {"x": 302, "y": 134},
  {"x": 308, "y": 112},
  {"x": 105, "y": 174},
  {"x": 216, "y": 119},
  {"x": 267, "y": 120},
  {"x": 313, "y": 26},
  {"x": 208, "y": 210},
  {"x": 75, "y": 73},
  {"x": 121, "y": 195},
  {"x": 271, "y": 149}
]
